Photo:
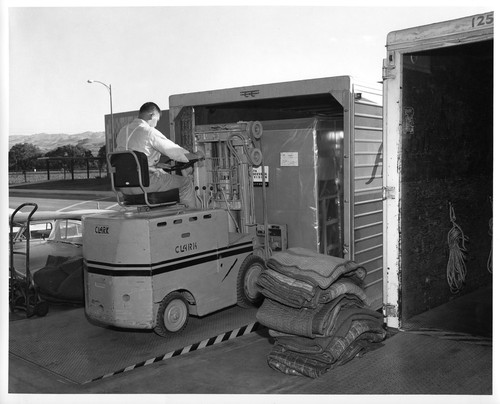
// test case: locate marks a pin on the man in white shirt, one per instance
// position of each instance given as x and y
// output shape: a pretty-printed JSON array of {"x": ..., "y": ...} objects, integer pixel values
[{"x": 141, "y": 135}]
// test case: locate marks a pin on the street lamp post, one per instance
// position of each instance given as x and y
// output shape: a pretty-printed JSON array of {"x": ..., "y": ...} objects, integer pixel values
[{"x": 108, "y": 87}]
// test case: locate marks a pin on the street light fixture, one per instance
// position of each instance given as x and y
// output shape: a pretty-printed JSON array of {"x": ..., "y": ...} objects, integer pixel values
[{"x": 108, "y": 87}]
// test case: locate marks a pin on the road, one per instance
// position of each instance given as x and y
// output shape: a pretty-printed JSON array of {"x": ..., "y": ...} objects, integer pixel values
[{"x": 58, "y": 204}]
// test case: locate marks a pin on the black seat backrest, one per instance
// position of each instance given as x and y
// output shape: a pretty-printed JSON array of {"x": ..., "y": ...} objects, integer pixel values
[{"x": 130, "y": 167}]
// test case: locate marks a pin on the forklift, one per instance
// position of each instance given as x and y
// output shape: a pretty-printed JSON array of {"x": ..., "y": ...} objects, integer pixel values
[{"x": 155, "y": 262}]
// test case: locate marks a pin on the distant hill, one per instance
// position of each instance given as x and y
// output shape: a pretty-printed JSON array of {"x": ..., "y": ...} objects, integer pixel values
[{"x": 92, "y": 141}]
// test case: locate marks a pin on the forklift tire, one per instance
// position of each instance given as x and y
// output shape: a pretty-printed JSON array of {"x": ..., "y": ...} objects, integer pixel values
[
  {"x": 247, "y": 292},
  {"x": 173, "y": 314}
]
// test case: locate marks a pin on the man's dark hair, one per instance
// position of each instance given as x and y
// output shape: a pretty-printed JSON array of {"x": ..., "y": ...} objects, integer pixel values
[{"x": 149, "y": 108}]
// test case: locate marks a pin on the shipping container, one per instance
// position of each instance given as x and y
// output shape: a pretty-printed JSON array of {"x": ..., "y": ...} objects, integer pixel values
[
  {"x": 322, "y": 152},
  {"x": 438, "y": 164}
]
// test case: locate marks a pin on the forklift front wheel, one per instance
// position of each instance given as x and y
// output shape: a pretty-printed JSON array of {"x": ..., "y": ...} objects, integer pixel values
[
  {"x": 173, "y": 314},
  {"x": 248, "y": 294}
]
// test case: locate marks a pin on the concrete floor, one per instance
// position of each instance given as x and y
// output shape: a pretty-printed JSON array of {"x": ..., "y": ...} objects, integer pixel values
[{"x": 446, "y": 351}]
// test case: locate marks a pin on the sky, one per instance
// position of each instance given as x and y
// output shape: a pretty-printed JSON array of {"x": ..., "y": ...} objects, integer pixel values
[{"x": 150, "y": 52}]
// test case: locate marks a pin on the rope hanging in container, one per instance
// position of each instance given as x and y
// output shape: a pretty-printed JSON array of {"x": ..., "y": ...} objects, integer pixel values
[{"x": 456, "y": 269}]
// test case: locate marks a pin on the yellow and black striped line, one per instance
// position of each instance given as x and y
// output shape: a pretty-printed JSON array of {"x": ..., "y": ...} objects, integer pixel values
[{"x": 238, "y": 332}]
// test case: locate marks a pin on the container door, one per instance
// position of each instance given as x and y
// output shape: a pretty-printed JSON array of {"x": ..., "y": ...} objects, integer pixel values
[
  {"x": 365, "y": 215},
  {"x": 438, "y": 153},
  {"x": 392, "y": 141}
]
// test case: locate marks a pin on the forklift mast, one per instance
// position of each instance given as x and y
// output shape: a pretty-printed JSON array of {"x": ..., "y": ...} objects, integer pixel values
[{"x": 225, "y": 179}]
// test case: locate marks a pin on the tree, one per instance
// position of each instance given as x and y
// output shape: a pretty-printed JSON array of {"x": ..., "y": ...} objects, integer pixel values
[
  {"x": 102, "y": 152},
  {"x": 70, "y": 151},
  {"x": 102, "y": 155},
  {"x": 22, "y": 156}
]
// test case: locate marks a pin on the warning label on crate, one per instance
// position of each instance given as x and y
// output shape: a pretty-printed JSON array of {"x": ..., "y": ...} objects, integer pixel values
[
  {"x": 257, "y": 176},
  {"x": 289, "y": 159}
]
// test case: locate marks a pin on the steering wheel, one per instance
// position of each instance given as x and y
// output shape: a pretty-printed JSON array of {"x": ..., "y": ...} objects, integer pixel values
[{"x": 179, "y": 166}]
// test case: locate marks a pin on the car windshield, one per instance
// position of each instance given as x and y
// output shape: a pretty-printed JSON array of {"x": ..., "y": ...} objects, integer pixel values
[
  {"x": 66, "y": 230},
  {"x": 38, "y": 231}
]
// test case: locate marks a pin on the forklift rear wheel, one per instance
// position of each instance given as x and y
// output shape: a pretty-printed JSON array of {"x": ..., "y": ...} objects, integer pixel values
[
  {"x": 248, "y": 294},
  {"x": 173, "y": 314}
]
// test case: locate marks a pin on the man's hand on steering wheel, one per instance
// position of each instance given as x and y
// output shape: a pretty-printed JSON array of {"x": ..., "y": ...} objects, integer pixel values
[
  {"x": 186, "y": 167},
  {"x": 186, "y": 172}
]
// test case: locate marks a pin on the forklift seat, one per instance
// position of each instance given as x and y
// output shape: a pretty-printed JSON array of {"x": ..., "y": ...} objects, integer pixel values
[{"x": 129, "y": 168}]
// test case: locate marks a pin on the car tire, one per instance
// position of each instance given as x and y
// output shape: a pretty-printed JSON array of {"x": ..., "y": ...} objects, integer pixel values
[
  {"x": 247, "y": 291},
  {"x": 173, "y": 315}
]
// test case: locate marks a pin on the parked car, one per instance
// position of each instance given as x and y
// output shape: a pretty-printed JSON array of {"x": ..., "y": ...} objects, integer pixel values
[{"x": 55, "y": 251}]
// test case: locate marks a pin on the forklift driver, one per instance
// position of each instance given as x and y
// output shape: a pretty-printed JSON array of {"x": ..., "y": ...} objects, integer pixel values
[{"x": 141, "y": 135}]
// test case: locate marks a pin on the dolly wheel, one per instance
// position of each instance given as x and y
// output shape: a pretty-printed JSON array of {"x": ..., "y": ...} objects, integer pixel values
[
  {"x": 248, "y": 294},
  {"x": 41, "y": 309},
  {"x": 172, "y": 314}
]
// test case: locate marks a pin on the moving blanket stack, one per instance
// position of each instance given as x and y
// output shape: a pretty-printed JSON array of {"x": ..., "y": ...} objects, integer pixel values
[{"x": 317, "y": 312}]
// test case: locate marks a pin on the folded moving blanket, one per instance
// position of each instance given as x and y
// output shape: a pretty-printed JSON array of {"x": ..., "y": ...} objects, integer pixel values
[
  {"x": 336, "y": 350},
  {"x": 349, "y": 315},
  {"x": 364, "y": 322},
  {"x": 341, "y": 350},
  {"x": 61, "y": 279},
  {"x": 305, "y": 321},
  {"x": 291, "y": 282},
  {"x": 307, "y": 265},
  {"x": 341, "y": 287},
  {"x": 326, "y": 320},
  {"x": 286, "y": 290},
  {"x": 292, "y": 364},
  {"x": 298, "y": 294}
]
